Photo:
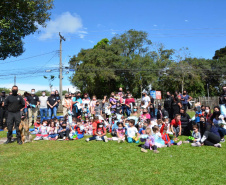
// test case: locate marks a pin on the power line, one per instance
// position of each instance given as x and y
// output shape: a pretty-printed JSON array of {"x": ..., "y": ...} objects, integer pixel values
[{"x": 28, "y": 57}]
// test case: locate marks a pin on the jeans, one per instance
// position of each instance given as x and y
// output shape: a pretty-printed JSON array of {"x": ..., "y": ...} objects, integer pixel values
[
  {"x": 131, "y": 140},
  {"x": 222, "y": 131},
  {"x": 43, "y": 112},
  {"x": 128, "y": 111},
  {"x": 52, "y": 111},
  {"x": 94, "y": 138}
]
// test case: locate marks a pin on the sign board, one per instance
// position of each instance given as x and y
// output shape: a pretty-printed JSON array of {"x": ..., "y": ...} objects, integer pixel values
[
  {"x": 158, "y": 95},
  {"x": 153, "y": 94}
]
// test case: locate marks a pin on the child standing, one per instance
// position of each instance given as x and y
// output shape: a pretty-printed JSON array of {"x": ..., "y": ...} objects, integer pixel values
[
  {"x": 131, "y": 132},
  {"x": 120, "y": 132},
  {"x": 149, "y": 142}
]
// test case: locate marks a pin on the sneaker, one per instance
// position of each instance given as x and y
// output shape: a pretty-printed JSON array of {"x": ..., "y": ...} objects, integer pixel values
[
  {"x": 156, "y": 151},
  {"x": 45, "y": 138},
  {"x": 222, "y": 140},
  {"x": 37, "y": 138},
  {"x": 105, "y": 139},
  {"x": 186, "y": 142},
  {"x": 143, "y": 150},
  {"x": 87, "y": 140},
  {"x": 119, "y": 140},
  {"x": 64, "y": 138},
  {"x": 198, "y": 144},
  {"x": 217, "y": 145},
  {"x": 8, "y": 141},
  {"x": 168, "y": 144},
  {"x": 179, "y": 143}
]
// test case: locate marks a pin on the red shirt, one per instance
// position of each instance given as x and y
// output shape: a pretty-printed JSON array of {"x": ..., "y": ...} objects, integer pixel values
[
  {"x": 128, "y": 101},
  {"x": 174, "y": 123},
  {"x": 101, "y": 130},
  {"x": 94, "y": 127},
  {"x": 25, "y": 100},
  {"x": 36, "y": 125}
]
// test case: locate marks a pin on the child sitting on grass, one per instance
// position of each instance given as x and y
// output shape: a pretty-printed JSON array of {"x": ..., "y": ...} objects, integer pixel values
[
  {"x": 79, "y": 128},
  {"x": 64, "y": 131},
  {"x": 196, "y": 137},
  {"x": 159, "y": 142},
  {"x": 42, "y": 132},
  {"x": 131, "y": 132},
  {"x": 159, "y": 122},
  {"x": 52, "y": 131},
  {"x": 37, "y": 124},
  {"x": 120, "y": 132},
  {"x": 176, "y": 126},
  {"x": 166, "y": 138},
  {"x": 100, "y": 133},
  {"x": 149, "y": 141}
]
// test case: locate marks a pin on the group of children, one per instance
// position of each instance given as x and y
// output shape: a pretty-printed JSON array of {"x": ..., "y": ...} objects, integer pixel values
[{"x": 154, "y": 133}]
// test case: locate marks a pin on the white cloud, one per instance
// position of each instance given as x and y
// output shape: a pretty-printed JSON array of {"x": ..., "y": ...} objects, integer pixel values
[
  {"x": 28, "y": 87},
  {"x": 155, "y": 25},
  {"x": 91, "y": 41},
  {"x": 65, "y": 23},
  {"x": 186, "y": 20}
]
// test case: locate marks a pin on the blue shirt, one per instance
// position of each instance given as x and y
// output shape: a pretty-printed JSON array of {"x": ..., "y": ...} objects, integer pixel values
[{"x": 185, "y": 101}]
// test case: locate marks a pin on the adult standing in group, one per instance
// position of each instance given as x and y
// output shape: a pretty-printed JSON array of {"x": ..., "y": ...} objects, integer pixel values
[
  {"x": 175, "y": 107},
  {"x": 77, "y": 105},
  {"x": 185, "y": 98},
  {"x": 67, "y": 102},
  {"x": 112, "y": 101},
  {"x": 222, "y": 101},
  {"x": 52, "y": 103},
  {"x": 14, "y": 103},
  {"x": 3, "y": 111},
  {"x": 43, "y": 105},
  {"x": 130, "y": 102},
  {"x": 32, "y": 105},
  {"x": 146, "y": 99},
  {"x": 168, "y": 103},
  {"x": 152, "y": 107},
  {"x": 86, "y": 100},
  {"x": 120, "y": 93},
  {"x": 58, "y": 98}
]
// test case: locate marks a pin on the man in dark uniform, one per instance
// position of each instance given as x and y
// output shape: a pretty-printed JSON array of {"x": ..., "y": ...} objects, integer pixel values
[
  {"x": 14, "y": 103},
  {"x": 3, "y": 111}
]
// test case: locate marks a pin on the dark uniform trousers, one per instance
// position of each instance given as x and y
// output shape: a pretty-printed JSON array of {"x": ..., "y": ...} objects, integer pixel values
[{"x": 13, "y": 118}]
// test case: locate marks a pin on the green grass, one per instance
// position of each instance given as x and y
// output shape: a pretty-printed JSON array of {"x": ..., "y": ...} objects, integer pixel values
[{"x": 78, "y": 162}]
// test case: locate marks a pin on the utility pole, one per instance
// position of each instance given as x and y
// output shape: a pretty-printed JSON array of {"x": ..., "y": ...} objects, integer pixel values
[
  {"x": 60, "y": 66},
  {"x": 15, "y": 80}
]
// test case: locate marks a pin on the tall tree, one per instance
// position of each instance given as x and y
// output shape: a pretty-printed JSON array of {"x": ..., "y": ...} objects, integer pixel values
[
  {"x": 220, "y": 53},
  {"x": 19, "y": 18}
]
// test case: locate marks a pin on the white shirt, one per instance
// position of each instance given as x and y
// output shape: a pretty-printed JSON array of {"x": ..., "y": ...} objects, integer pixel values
[
  {"x": 43, "y": 102},
  {"x": 146, "y": 100},
  {"x": 131, "y": 131}
]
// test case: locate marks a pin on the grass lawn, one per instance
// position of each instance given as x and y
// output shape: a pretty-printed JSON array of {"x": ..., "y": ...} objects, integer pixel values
[{"x": 78, "y": 162}]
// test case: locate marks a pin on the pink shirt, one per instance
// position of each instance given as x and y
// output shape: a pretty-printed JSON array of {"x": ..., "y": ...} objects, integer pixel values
[{"x": 146, "y": 116}]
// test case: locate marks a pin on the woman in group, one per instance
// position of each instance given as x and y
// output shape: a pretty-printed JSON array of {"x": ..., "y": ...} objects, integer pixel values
[{"x": 129, "y": 103}]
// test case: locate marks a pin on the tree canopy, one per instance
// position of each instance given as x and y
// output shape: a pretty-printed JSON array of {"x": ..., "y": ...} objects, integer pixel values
[
  {"x": 132, "y": 61},
  {"x": 19, "y": 18}
]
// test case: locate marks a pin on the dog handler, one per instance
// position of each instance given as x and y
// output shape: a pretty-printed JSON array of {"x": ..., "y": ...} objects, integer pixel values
[{"x": 14, "y": 103}]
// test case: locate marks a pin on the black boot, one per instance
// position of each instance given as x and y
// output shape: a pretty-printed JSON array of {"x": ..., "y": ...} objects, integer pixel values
[
  {"x": 19, "y": 142},
  {"x": 8, "y": 141}
]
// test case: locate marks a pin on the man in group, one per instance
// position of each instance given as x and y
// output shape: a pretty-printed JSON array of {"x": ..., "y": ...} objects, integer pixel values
[
  {"x": 43, "y": 105},
  {"x": 168, "y": 102},
  {"x": 14, "y": 103},
  {"x": 146, "y": 99},
  {"x": 52, "y": 103},
  {"x": 185, "y": 98},
  {"x": 3, "y": 111},
  {"x": 32, "y": 105}
]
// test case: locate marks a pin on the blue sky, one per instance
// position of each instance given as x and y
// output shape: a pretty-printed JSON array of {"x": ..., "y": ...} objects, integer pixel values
[{"x": 199, "y": 25}]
